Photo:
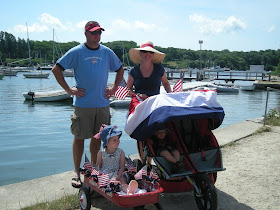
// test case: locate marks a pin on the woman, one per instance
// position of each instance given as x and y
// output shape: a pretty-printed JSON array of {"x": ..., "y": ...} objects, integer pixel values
[{"x": 148, "y": 75}]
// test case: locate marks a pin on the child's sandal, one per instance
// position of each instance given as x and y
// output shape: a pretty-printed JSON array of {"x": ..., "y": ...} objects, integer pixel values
[{"x": 179, "y": 164}]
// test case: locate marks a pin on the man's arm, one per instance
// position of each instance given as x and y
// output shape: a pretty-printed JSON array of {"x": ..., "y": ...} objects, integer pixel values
[
  {"x": 58, "y": 73},
  {"x": 118, "y": 79}
]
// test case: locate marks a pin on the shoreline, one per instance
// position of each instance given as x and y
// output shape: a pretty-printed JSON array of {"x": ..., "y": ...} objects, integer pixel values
[{"x": 27, "y": 193}]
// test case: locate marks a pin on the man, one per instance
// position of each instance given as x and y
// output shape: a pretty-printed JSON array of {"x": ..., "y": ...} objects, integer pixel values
[{"x": 91, "y": 62}]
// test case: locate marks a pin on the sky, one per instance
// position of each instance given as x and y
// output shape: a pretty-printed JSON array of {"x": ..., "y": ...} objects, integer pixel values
[{"x": 235, "y": 25}]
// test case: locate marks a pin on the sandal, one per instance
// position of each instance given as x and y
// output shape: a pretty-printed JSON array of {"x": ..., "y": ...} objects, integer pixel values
[
  {"x": 132, "y": 187},
  {"x": 78, "y": 183},
  {"x": 179, "y": 164}
]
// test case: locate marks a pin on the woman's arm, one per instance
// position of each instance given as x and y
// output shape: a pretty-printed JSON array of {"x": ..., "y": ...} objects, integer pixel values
[
  {"x": 129, "y": 83},
  {"x": 165, "y": 83}
]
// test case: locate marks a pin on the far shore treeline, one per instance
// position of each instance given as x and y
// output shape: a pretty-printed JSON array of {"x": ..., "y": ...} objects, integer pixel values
[{"x": 41, "y": 52}]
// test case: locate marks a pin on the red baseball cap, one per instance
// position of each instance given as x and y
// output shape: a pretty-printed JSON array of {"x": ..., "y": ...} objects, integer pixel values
[{"x": 93, "y": 26}]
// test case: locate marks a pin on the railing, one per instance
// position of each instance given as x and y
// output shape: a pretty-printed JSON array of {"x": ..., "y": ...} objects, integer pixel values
[{"x": 220, "y": 75}]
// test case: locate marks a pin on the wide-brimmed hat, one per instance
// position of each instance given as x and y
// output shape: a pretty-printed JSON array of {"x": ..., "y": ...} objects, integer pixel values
[
  {"x": 93, "y": 26},
  {"x": 108, "y": 132},
  {"x": 135, "y": 56}
]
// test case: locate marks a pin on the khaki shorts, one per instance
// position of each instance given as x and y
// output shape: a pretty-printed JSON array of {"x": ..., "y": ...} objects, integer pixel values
[{"x": 86, "y": 122}]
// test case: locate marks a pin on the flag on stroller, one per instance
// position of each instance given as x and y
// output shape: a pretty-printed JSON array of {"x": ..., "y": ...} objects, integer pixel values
[
  {"x": 94, "y": 172},
  {"x": 103, "y": 180},
  {"x": 142, "y": 172},
  {"x": 87, "y": 164},
  {"x": 122, "y": 90},
  {"x": 153, "y": 174},
  {"x": 130, "y": 165},
  {"x": 178, "y": 87}
]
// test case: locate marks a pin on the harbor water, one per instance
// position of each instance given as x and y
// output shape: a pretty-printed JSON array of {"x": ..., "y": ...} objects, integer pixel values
[{"x": 35, "y": 138}]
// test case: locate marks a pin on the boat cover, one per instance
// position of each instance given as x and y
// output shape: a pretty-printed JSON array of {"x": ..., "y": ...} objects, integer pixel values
[{"x": 162, "y": 108}]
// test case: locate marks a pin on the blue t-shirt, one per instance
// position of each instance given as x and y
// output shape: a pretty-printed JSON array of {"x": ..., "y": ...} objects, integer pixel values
[
  {"x": 91, "y": 69},
  {"x": 149, "y": 85}
]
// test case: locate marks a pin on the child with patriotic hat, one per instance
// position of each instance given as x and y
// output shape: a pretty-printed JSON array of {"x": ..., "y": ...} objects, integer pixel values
[{"x": 111, "y": 158}]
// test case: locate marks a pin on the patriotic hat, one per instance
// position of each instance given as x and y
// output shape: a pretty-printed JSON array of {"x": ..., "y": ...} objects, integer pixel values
[
  {"x": 108, "y": 132},
  {"x": 93, "y": 26},
  {"x": 135, "y": 56}
]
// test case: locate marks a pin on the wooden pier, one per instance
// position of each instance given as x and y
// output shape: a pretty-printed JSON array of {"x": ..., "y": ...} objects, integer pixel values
[{"x": 227, "y": 76}]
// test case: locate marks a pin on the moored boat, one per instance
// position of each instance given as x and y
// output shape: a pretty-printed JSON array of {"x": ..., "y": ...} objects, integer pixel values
[
  {"x": 37, "y": 75},
  {"x": 247, "y": 87},
  {"x": 47, "y": 96},
  {"x": 120, "y": 103}
]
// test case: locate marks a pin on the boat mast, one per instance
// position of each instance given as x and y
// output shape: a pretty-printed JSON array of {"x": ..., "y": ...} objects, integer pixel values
[
  {"x": 28, "y": 46},
  {"x": 53, "y": 47}
]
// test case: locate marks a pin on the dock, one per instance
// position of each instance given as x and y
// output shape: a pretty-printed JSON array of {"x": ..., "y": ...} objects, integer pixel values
[{"x": 227, "y": 76}]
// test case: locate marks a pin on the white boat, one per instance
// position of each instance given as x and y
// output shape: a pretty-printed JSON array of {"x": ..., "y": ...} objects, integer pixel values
[
  {"x": 223, "y": 89},
  {"x": 120, "y": 103},
  {"x": 68, "y": 73},
  {"x": 205, "y": 88},
  {"x": 36, "y": 75},
  {"x": 8, "y": 72},
  {"x": 48, "y": 67},
  {"x": 247, "y": 87},
  {"x": 47, "y": 96}
]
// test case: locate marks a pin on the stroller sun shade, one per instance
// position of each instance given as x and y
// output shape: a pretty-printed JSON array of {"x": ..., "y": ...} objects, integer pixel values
[{"x": 162, "y": 108}]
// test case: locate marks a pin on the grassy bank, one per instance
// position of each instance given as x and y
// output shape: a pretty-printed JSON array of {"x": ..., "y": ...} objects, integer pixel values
[{"x": 67, "y": 202}]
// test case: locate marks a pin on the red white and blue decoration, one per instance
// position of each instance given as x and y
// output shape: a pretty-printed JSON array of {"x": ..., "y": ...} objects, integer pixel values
[{"x": 162, "y": 108}]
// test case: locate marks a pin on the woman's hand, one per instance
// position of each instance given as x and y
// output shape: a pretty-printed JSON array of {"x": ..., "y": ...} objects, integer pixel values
[{"x": 143, "y": 96}]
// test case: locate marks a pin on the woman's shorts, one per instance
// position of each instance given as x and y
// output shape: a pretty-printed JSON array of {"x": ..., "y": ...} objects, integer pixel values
[{"x": 86, "y": 122}]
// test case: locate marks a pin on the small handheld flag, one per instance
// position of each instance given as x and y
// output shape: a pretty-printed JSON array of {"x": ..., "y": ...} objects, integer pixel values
[
  {"x": 178, "y": 86},
  {"x": 87, "y": 164},
  {"x": 122, "y": 90},
  {"x": 103, "y": 180},
  {"x": 142, "y": 172}
]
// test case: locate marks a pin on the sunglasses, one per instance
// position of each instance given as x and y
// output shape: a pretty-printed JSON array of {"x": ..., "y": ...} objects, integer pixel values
[
  {"x": 144, "y": 51},
  {"x": 95, "y": 32}
]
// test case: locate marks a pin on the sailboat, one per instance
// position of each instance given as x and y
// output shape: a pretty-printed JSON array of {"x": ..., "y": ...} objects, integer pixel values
[{"x": 34, "y": 75}]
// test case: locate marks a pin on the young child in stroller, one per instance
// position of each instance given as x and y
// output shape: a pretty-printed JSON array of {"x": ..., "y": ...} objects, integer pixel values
[
  {"x": 111, "y": 159},
  {"x": 165, "y": 149}
]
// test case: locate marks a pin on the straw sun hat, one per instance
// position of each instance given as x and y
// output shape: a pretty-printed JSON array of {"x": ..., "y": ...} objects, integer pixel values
[{"x": 135, "y": 56}]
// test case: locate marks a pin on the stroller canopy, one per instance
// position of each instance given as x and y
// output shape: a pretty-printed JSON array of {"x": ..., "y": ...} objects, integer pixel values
[{"x": 162, "y": 108}]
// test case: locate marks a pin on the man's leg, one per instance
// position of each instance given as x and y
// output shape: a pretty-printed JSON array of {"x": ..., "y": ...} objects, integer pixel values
[
  {"x": 94, "y": 147},
  {"x": 78, "y": 150},
  {"x": 102, "y": 116}
]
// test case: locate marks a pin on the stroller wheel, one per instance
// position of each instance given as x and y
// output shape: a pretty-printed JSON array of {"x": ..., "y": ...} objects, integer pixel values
[{"x": 206, "y": 196}]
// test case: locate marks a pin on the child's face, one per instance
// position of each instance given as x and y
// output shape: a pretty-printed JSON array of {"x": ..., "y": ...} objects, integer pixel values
[
  {"x": 114, "y": 142},
  {"x": 160, "y": 134}
]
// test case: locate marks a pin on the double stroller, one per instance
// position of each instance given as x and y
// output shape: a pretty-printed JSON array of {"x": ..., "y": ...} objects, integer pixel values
[{"x": 190, "y": 118}]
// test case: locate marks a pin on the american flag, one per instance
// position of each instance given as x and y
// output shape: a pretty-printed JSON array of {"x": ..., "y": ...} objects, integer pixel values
[
  {"x": 178, "y": 86},
  {"x": 131, "y": 168},
  {"x": 122, "y": 90},
  {"x": 87, "y": 164},
  {"x": 154, "y": 174},
  {"x": 130, "y": 165},
  {"x": 142, "y": 172},
  {"x": 103, "y": 180},
  {"x": 94, "y": 172}
]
